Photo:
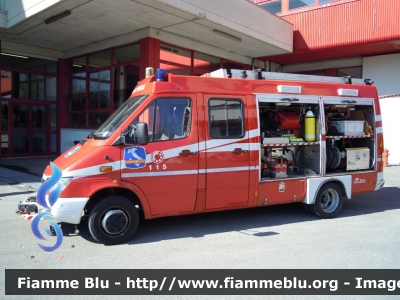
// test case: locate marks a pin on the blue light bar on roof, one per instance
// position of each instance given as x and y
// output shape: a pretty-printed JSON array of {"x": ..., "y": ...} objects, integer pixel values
[{"x": 161, "y": 75}]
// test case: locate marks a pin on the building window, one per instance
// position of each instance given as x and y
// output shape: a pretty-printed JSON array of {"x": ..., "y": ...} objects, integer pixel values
[
  {"x": 29, "y": 86},
  {"x": 99, "y": 89},
  {"x": 125, "y": 79},
  {"x": 185, "y": 62},
  {"x": 77, "y": 100},
  {"x": 28, "y": 105},
  {"x": 293, "y": 4},
  {"x": 274, "y": 6},
  {"x": 28, "y": 63},
  {"x": 99, "y": 83},
  {"x": 25, "y": 77},
  {"x": 281, "y": 6},
  {"x": 325, "y": 1}
]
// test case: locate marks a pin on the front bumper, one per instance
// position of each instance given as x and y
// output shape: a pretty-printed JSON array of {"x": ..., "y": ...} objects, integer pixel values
[{"x": 67, "y": 210}]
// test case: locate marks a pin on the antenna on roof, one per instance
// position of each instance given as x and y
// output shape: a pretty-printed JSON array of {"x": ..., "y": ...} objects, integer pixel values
[{"x": 170, "y": 50}]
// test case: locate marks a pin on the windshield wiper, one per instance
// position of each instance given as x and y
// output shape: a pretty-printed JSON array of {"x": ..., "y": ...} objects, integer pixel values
[{"x": 91, "y": 135}]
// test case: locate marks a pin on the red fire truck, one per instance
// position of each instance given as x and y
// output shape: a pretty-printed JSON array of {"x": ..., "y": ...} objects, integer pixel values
[{"x": 230, "y": 139}]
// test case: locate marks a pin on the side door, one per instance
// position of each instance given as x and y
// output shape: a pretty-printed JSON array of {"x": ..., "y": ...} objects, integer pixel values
[
  {"x": 227, "y": 152},
  {"x": 304, "y": 156},
  {"x": 29, "y": 129},
  {"x": 354, "y": 140},
  {"x": 166, "y": 169}
]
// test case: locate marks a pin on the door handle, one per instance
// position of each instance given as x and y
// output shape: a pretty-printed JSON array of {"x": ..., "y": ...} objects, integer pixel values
[
  {"x": 239, "y": 150},
  {"x": 187, "y": 153}
]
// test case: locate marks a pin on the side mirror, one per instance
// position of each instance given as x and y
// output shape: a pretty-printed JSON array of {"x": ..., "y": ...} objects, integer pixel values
[{"x": 142, "y": 133}]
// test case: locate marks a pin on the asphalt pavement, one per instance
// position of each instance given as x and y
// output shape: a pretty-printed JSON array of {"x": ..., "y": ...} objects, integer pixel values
[
  {"x": 364, "y": 236},
  {"x": 33, "y": 166}
]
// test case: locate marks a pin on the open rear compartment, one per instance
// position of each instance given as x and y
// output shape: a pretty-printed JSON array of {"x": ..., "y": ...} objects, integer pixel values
[
  {"x": 290, "y": 138},
  {"x": 350, "y": 142}
]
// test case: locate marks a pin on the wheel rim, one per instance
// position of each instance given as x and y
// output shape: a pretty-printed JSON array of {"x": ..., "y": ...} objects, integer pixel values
[
  {"x": 114, "y": 221},
  {"x": 329, "y": 200}
]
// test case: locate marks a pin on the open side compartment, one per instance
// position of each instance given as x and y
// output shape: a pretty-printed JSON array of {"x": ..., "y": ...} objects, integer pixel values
[
  {"x": 350, "y": 142},
  {"x": 290, "y": 138}
]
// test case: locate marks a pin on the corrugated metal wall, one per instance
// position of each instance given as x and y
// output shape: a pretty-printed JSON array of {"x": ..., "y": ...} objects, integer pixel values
[{"x": 343, "y": 24}]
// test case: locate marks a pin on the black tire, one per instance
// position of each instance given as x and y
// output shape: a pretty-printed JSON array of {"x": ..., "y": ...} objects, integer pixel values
[
  {"x": 329, "y": 201},
  {"x": 114, "y": 220}
]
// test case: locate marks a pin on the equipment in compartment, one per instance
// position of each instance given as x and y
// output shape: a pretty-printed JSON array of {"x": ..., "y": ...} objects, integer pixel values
[
  {"x": 289, "y": 120},
  {"x": 343, "y": 162},
  {"x": 348, "y": 127},
  {"x": 276, "y": 140},
  {"x": 279, "y": 122},
  {"x": 308, "y": 160},
  {"x": 357, "y": 158},
  {"x": 293, "y": 138},
  {"x": 265, "y": 171},
  {"x": 277, "y": 169},
  {"x": 333, "y": 155},
  {"x": 341, "y": 155},
  {"x": 269, "y": 120},
  {"x": 309, "y": 127},
  {"x": 277, "y": 164},
  {"x": 283, "y": 163}
]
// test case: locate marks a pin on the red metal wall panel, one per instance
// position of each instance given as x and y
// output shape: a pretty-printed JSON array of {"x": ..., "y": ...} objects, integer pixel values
[{"x": 359, "y": 27}]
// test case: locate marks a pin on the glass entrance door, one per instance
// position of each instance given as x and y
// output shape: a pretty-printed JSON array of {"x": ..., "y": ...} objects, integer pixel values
[{"x": 29, "y": 130}]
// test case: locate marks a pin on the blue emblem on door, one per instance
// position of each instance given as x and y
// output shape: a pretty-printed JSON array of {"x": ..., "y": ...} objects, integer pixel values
[{"x": 135, "y": 157}]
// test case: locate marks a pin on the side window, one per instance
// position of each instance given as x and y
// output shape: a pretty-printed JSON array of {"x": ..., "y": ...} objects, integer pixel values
[
  {"x": 147, "y": 116},
  {"x": 225, "y": 118},
  {"x": 167, "y": 119}
]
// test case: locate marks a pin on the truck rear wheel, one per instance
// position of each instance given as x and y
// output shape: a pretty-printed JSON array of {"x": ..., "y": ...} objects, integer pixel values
[
  {"x": 114, "y": 220},
  {"x": 329, "y": 201}
]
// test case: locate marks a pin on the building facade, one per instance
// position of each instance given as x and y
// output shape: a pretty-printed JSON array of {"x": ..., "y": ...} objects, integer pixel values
[
  {"x": 360, "y": 38},
  {"x": 66, "y": 65}
]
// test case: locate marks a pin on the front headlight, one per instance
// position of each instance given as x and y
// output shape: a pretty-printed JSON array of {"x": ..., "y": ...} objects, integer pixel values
[{"x": 63, "y": 183}]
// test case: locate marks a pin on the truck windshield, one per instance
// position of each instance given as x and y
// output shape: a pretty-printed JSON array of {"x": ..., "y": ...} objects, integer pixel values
[{"x": 118, "y": 117}]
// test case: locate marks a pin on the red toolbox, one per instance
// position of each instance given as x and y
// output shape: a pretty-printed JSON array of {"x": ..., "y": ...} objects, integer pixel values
[{"x": 277, "y": 169}]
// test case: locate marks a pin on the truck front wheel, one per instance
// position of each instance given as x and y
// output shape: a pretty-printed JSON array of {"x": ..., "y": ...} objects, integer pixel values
[
  {"x": 329, "y": 201},
  {"x": 114, "y": 220}
]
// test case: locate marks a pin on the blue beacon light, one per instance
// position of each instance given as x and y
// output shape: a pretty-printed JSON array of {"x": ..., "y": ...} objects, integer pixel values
[{"x": 161, "y": 75}]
